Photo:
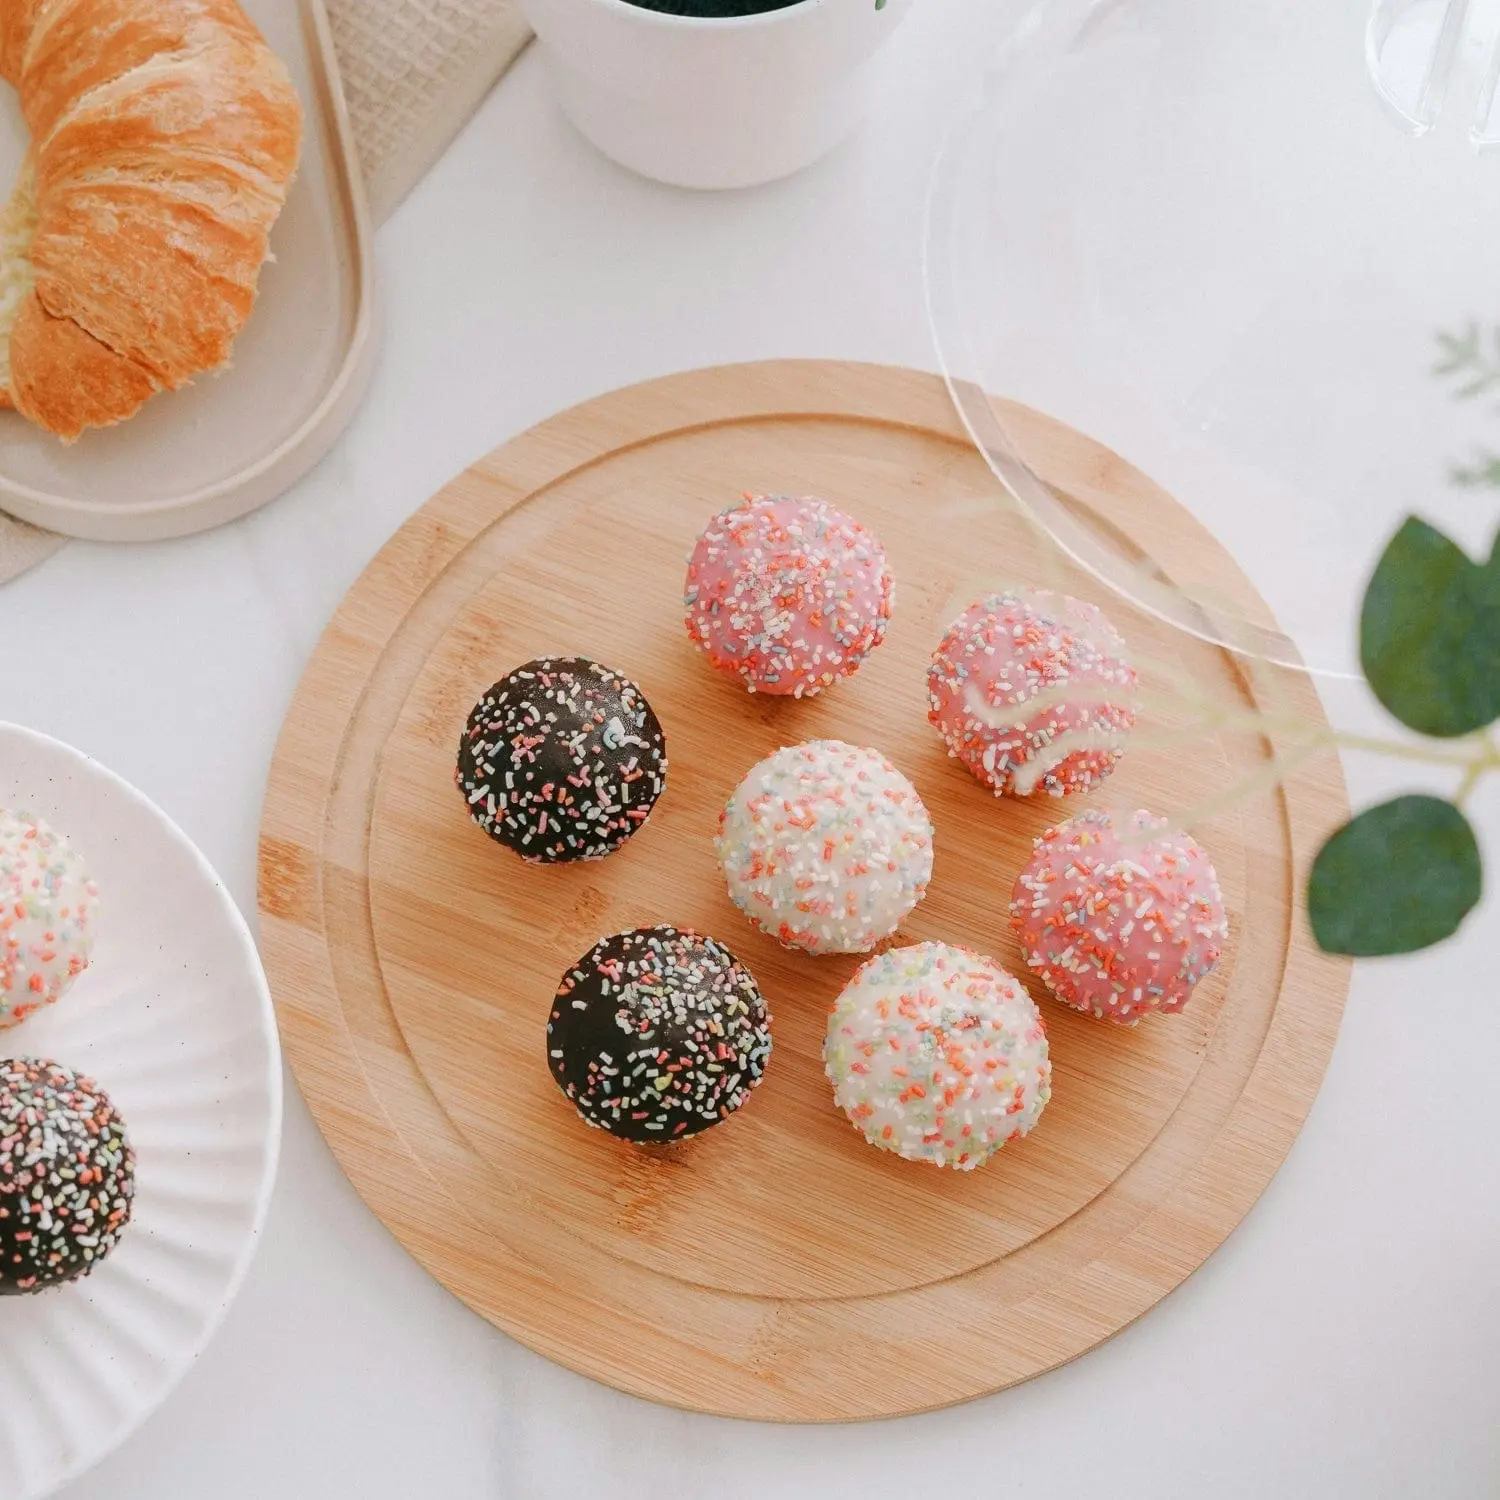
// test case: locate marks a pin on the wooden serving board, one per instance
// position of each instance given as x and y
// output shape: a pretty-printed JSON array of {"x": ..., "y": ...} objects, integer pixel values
[{"x": 775, "y": 1267}]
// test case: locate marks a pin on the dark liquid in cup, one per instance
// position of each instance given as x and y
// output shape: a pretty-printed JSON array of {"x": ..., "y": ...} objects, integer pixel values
[{"x": 714, "y": 9}]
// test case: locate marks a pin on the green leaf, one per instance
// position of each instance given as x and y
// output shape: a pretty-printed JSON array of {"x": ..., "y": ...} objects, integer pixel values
[
  {"x": 1399, "y": 877},
  {"x": 1429, "y": 632}
]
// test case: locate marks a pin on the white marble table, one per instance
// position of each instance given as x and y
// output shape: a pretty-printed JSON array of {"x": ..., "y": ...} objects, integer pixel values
[{"x": 1344, "y": 1343}]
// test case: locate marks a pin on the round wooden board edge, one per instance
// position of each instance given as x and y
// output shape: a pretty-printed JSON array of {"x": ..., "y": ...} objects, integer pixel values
[{"x": 324, "y": 1055}]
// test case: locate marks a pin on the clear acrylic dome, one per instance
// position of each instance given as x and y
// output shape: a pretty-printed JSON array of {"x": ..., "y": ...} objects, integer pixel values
[{"x": 1235, "y": 243}]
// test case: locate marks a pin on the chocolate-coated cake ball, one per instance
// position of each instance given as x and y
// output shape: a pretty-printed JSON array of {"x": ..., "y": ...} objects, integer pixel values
[
  {"x": 67, "y": 1175},
  {"x": 562, "y": 759},
  {"x": 657, "y": 1034}
]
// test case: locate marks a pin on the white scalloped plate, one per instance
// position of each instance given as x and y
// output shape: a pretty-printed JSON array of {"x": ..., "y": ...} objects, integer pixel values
[{"x": 174, "y": 1020}]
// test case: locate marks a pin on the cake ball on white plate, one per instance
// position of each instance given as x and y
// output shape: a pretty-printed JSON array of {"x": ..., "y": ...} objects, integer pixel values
[
  {"x": 48, "y": 909},
  {"x": 1010, "y": 648},
  {"x": 938, "y": 1054},
  {"x": 1121, "y": 916},
  {"x": 67, "y": 1175},
  {"x": 826, "y": 847},
  {"x": 788, "y": 593}
]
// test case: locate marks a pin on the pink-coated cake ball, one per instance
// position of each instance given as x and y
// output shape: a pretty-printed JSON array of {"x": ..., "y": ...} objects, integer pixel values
[
  {"x": 1119, "y": 918},
  {"x": 1010, "y": 648},
  {"x": 787, "y": 592}
]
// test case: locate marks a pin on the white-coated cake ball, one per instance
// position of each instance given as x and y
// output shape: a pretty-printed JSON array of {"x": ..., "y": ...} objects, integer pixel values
[
  {"x": 938, "y": 1054},
  {"x": 826, "y": 847},
  {"x": 48, "y": 906}
]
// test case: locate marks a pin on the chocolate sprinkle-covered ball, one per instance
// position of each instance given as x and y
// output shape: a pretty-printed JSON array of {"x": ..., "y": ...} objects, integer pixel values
[
  {"x": 67, "y": 1175},
  {"x": 657, "y": 1034},
  {"x": 561, "y": 760}
]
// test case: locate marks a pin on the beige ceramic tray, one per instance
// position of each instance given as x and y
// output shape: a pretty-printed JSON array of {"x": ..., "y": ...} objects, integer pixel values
[{"x": 236, "y": 440}]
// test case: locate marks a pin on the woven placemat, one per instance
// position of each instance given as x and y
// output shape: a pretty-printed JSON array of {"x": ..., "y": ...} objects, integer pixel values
[
  {"x": 413, "y": 73},
  {"x": 23, "y": 546}
]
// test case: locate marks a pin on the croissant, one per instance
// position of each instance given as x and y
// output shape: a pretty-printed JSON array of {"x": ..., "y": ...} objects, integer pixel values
[{"x": 164, "y": 135}]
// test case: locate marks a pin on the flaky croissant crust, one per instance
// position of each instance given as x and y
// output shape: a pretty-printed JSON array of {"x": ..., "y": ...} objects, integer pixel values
[{"x": 164, "y": 135}]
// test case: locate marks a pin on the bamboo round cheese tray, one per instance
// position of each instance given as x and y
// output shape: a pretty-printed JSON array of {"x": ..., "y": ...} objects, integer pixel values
[{"x": 775, "y": 1267}]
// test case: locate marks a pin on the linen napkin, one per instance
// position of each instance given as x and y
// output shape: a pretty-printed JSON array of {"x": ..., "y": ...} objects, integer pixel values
[{"x": 413, "y": 72}]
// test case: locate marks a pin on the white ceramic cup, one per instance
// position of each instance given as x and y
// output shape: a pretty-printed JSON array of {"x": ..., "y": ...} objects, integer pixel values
[{"x": 707, "y": 103}]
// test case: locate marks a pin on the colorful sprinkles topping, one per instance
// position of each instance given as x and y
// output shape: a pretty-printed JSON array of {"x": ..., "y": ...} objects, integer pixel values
[
  {"x": 938, "y": 1054},
  {"x": 48, "y": 907},
  {"x": 657, "y": 1034},
  {"x": 67, "y": 1175},
  {"x": 1010, "y": 648},
  {"x": 826, "y": 847},
  {"x": 788, "y": 592},
  {"x": 562, "y": 759},
  {"x": 1119, "y": 924}
]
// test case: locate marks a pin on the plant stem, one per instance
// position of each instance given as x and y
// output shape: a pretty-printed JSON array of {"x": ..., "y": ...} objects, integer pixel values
[
  {"x": 1489, "y": 760},
  {"x": 1271, "y": 774},
  {"x": 1211, "y": 717},
  {"x": 1475, "y": 765}
]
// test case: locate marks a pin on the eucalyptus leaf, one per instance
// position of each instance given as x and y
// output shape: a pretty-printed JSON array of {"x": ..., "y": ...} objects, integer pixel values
[
  {"x": 1429, "y": 632},
  {"x": 1399, "y": 877},
  {"x": 1483, "y": 472},
  {"x": 1459, "y": 350},
  {"x": 1465, "y": 355}
]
